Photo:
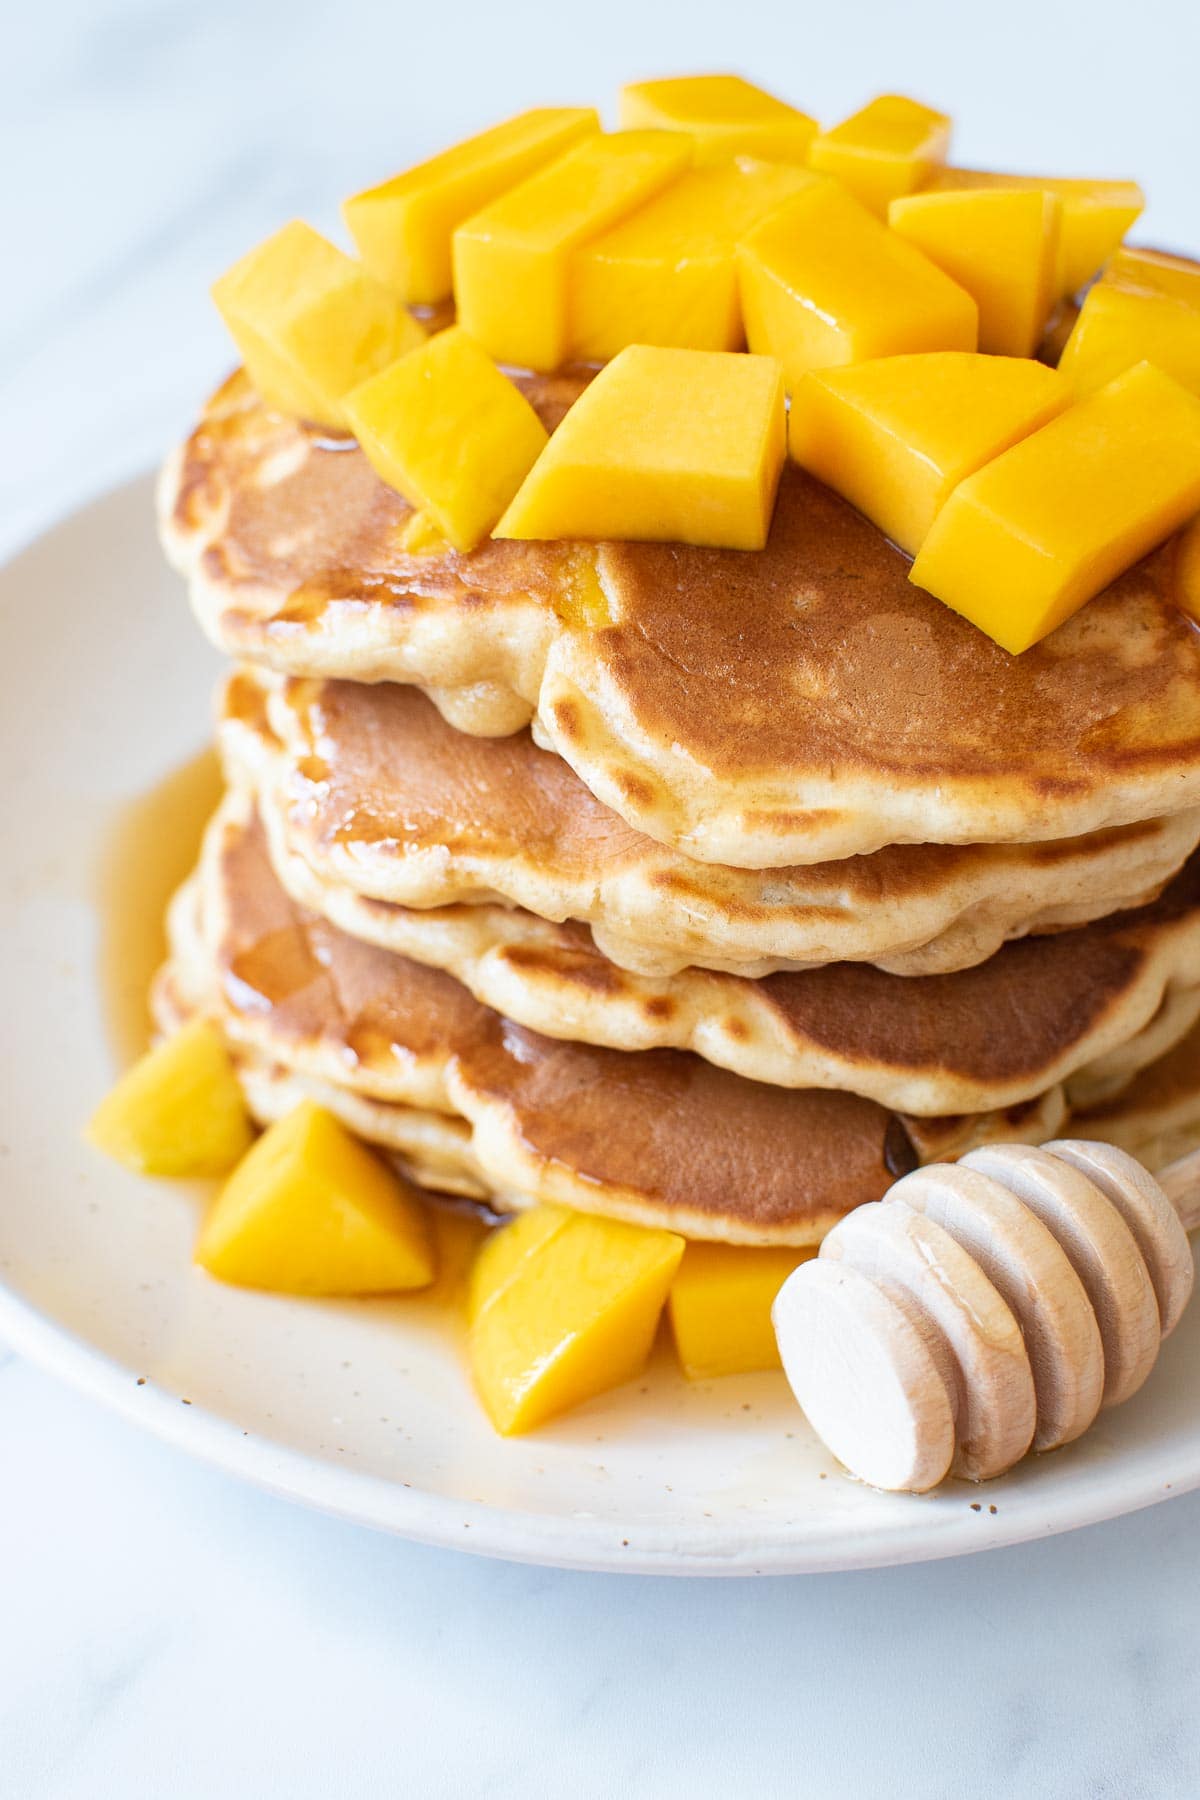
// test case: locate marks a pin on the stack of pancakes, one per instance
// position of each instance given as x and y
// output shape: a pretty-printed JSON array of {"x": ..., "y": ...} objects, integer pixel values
[{"x": 696, "y": 887}]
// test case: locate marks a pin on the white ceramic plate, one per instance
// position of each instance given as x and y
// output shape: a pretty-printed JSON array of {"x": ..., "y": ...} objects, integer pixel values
[{"x": 362, "y": 1408}]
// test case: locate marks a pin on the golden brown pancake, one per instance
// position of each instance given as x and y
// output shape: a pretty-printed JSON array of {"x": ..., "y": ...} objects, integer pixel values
[
  {"x": 1157, "y": 1117},
  {"x": 659, "y": 1137},
  {"x": 1099, "y": 1001},
  {"x": 757, "y": 709},
  {"x": 374, "y": 793}
]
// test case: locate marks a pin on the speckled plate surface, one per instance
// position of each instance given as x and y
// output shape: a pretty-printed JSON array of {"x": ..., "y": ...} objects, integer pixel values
[{"x": 363, "y": 1409}]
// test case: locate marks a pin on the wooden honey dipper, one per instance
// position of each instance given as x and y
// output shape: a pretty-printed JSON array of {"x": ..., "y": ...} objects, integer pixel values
[{"x": 988, "y": 1307}]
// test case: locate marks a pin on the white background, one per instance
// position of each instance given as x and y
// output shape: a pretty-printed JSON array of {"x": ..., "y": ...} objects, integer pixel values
[{"x": 163, "y": 1631}]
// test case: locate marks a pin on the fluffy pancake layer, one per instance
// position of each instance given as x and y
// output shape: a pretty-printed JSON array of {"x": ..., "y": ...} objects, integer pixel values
[
  {"x": 374, "y": 792},
  {"x": 1095, "y": 1003},
  {"x": 656, "y": 1136},
  {"x": 764, "y": 709}
]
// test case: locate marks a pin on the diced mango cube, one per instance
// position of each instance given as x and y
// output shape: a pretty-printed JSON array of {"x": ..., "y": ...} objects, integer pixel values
[
  {"x": 1020, "y": 545},
  {"x": 458, "y": 1237},
  {"x": 684, "y": 445},
  {"x": 1153, "y": 272},
  {"x": 823, "y": 283},
  {"x": 310, "y": 1210},
  {"x": 562, "y": 1307},
  {"x": 887, "y": 148},
  {"x": 1001, "y": 244},
  {"x": 1095, "y": 215},
  {"x": 724, "y": 114},
  {"x": 896, "y": 436},
  {"x": 178, "y": 1111},
  {"x": 512, "y": 259},
  {"x": 1187, "y": 570},
  {"x": 720, "y": 1307},
  {"x": 1119, "y": 326},
  {"x": 310, "y": 322},
  {"x": 668, "y": 274},
  {"x": 404, "y": 226},
  {"x": 452, "y": 434}
]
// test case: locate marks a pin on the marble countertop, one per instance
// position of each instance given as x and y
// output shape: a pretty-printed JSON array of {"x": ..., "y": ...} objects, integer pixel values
[{"x": 163, "y": 1629}]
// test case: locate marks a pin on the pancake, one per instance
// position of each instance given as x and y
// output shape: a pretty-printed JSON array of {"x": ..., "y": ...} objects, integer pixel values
[
  {"x": 1040, "y": 1010},
  {"x": 1157, "y": 1117},
  {"x": 759, "y": 709},
  {"x": 658, "y": 1137},
  {"x": 375, "y": 793}
]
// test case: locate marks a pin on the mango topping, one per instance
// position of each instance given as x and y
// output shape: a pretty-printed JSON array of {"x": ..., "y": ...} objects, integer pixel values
[
  {"x": 310, "y": 323},
  {"x": 452, "y": 434},
  {"x": 1001, "y": 244},
  {"x": 512, "y": 259},
  {"x": 898, "y": 435},
  {"x": 887, "y": 148},
  {"x": 561, "y": 1307},
  {"x": 724, "y": 114},
  {"x": 1119, "y": 325},
  {"x": 310, "y": 1210},
  {"x": 178, "y": 1111},
  {"x": 720, "y": 1307},
  {"x": 403, "y": 227},
  {"x": 823, "y": 283},
  {"x": 1095, "y": 215},
  {"x": 665, "y": 444},
  {"x": 1020, "y": 545},
  {"x": 1153, "y": 272},
  {"x": 668, "y": 274}
]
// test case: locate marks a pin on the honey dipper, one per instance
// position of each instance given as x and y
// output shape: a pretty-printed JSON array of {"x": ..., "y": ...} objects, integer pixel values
[{"x": 988, "y": 1307}]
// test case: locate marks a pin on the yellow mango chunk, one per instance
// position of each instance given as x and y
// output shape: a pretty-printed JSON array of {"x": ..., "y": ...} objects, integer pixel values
[
  {"x": 310, "y": 1210},
  {"x": 310, "y": 322},
  {"x": 178, "y": 1111},
  {"x": 562, "y": 1307},
  {"x": 1153, "y": 272},
  {"x": 452, "y": 434},
  {"x": 512, "y": 259},
  {"x": 823, "y": 283},
  {"x": 724, "y": 114},
  {"x": 1001, "y": 244},
  {"x": 887, "y": 148},
  {"x": 720, "y": 1307},
  {"x": 1095, "y": 215},
  {"x": 1119, "y": 326},
  {"x": 683, "y": 445},
  {"x": 403, "y": 227},
  {"x": 458, "y": 1237},
  {"x": 1020, "y": 545},
  {"x": 668, "y": 274},
  {"x": 896, "y": 436}
]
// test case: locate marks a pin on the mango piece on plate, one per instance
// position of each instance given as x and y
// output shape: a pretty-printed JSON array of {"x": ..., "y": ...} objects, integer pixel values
[
  {"x": 724, "y": 114},
  {"x": 720, "y": 1307},
  {"x": 512, "y": 259},
  {"x": 310, "y": 1210},
  {"x": 563, "y": 1306},
  {"x": 403, "y": 227},
  {"x": 1023, "y": 543},
  {"x": 668, "y": 274},
  {"x": 1095, "y": 215},
  {"x": 887, "y": 148},
  {"x": 823, "y": 283},
  {"x": 458, "y": 1237},
  {"x": 178, "y": 1111},
  {"x": 452, "y": 434},
  {"x": 896, "y": 436},
  {"x": 1119, "y": 326},
  {"x": 1001, "y": 244},
  {"x": 682, "y": 445},
  {"x": 310, "y": 322}
]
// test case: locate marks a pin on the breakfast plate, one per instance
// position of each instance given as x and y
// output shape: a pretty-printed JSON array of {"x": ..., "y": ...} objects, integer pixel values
[{"x": 361, "y": 1408}]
